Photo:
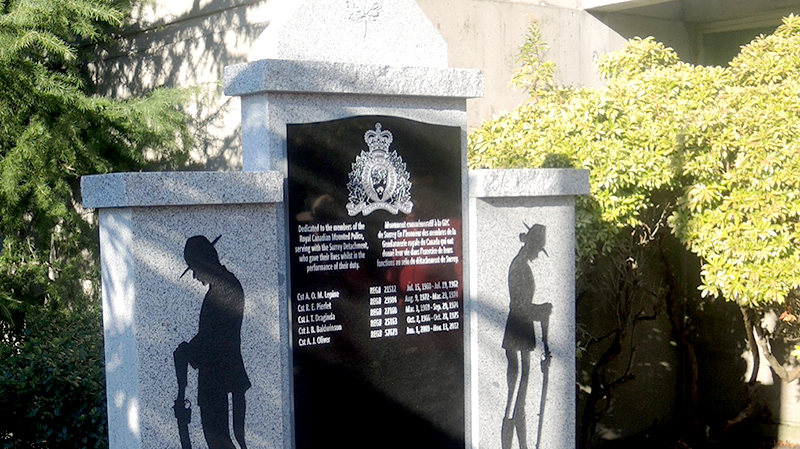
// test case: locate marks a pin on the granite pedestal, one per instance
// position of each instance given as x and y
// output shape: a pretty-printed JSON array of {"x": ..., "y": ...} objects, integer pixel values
[
  {"x": 507, "y": 208},
  {"x": 150, "y": 305}
]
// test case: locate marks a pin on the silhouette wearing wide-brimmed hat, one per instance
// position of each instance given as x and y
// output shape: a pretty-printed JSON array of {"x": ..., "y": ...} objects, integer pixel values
[
  {"x": 215, "y": 351},
  {"x": 519, "y": 338}
]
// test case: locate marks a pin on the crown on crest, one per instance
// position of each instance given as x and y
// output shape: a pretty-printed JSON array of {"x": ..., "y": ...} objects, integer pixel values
[{"x": 378, "y": 140}]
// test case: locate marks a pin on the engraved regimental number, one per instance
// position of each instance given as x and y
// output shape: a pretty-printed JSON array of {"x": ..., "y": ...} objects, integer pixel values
[{"x": 423, "y": 308}]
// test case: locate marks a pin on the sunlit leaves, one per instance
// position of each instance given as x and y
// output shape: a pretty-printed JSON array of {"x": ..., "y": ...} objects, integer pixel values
[
  {"x": 701, "y": 196},
  {"x": 535, "y": 72},
  {"x": 641, "y": 56},
  {"x": 623, "y": 134},
  {"x": 53, "y": 130},
  {"x": 746, "y": 148},
  {"x": 718, "y": 146}
]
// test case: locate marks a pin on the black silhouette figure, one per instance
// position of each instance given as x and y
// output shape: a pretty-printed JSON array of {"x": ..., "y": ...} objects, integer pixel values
[
  {"x": 520, "y": 336},
  {"x": 215, "y": 352}
]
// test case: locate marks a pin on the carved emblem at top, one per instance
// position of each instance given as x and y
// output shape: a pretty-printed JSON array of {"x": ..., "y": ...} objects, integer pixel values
[
  {"x": 379, "y": 179},
  {"x": 364, "y": 11}
]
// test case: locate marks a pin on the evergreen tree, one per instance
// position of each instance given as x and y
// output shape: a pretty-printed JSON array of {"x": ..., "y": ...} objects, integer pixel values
[{"x": 53, "y": 130}]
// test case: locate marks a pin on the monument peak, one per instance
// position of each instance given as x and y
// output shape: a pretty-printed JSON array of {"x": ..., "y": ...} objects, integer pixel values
[{"x": 374, "y": 32}]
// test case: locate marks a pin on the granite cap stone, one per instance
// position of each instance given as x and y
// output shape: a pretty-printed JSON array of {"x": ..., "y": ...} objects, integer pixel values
[
  {"x": 277, "y": 75},
  {"x": 528, "y": 182},
  {"x": 145, "y": 189},
  {"x": 379, "y": 32}
]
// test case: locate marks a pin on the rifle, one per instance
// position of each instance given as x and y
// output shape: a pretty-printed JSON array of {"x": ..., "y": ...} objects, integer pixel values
[
  {"x": 545, "y": 321},
  {"x": 182, "y": 406},
  {"x": 545, "y": 373}
]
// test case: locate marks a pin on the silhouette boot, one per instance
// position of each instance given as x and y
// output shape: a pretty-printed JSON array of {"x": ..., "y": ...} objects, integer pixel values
[
  {"x": 507, "y": 433},
  {"x": 522, "y": 432}
]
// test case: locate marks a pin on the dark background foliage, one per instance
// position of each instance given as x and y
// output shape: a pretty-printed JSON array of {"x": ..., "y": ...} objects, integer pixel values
[{"x": 52, "y": 384}]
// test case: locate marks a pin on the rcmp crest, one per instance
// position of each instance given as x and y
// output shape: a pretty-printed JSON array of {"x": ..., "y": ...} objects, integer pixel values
[{"x": 379, "y": 179}]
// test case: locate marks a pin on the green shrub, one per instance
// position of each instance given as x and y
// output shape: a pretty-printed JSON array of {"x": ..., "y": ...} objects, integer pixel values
[
  {"x": 710, "y": 152},
  {"x": 52, "y": 384}
]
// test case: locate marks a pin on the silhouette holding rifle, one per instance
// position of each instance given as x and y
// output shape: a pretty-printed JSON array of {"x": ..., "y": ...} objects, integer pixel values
[
  {"x": 215, "y": 352},
  {"x": 519, "y": 338}
]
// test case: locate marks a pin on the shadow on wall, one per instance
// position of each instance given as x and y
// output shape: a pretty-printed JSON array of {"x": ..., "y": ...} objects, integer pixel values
[
  {"x": 693, "y": 29},
  {"x": 172, "y": 44},
  {"x": 206, "y": 306}
]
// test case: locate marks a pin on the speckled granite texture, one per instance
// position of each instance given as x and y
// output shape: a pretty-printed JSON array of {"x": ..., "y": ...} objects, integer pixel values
[
  {"x": 277, "y": 75},
  {"x": 180, "y": 189},
  {"x": 503, "y": 203},
  {"x": 148, "y": 309},
  {"x": 265, "y": 116},
  {"x": 516, "y": 183},
  {"x": 321, "y": 67},
  {"x": 340, "y": 91},
  {"x": 378, "y": 32}
]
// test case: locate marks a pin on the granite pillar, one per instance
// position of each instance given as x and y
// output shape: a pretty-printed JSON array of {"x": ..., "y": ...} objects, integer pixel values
[
  {"x": 523, "y": 306},
  {"x": 150, "y": 305}
]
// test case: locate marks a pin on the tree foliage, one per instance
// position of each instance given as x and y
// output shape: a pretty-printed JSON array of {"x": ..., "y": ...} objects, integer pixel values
[
  {"x": 741, "y": 206},
  {"x": 714, "y": 147},
  {"x": 625, "y": 133},
  {"x": 708, "y": 153},
  {"x": 52, "y": 384},
  {"x": 53, "y": 130},
  {"x": 535, "y": 72}
]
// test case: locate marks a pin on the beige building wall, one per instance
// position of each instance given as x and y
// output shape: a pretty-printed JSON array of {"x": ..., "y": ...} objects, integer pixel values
[
  {"x": 486, "y": 35},
  {"x": 187, "y": 43},
  {"x": 183, "y": 43}
]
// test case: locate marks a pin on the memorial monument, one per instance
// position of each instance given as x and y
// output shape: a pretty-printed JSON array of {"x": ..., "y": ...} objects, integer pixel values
[
  {"x": 335, "y": 298},
  {"x": 358, "y": 109}
]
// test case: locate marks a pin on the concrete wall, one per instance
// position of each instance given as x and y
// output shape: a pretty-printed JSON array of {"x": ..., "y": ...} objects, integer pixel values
[
  {"x": 183, "y": 44},
  {"x": 485, "y": 35},
  {"x": 188, "y": 43},
  {"x": 673, "y": 33},
  {"x": 727, "y": 10}
]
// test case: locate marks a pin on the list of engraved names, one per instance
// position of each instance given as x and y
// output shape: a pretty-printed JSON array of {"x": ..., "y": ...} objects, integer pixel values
[
  {"x": 315, "y": 317},
  {"x": 416, "y": 308}
]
